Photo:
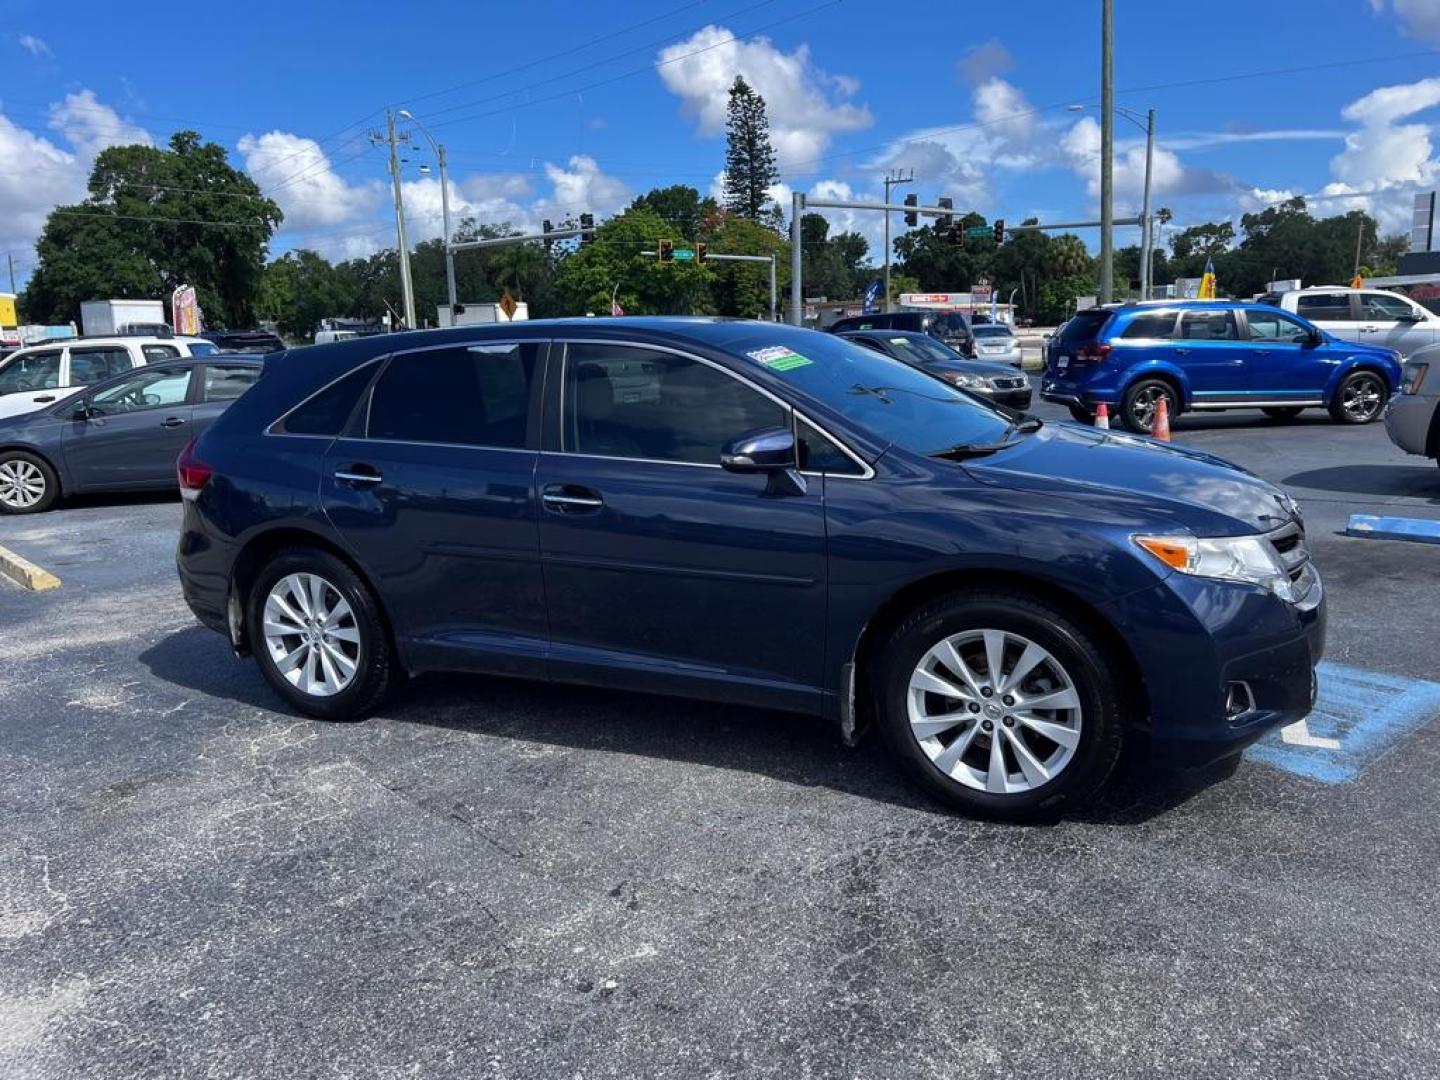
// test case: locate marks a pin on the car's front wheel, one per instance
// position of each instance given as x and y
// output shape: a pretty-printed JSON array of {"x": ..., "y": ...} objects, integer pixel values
[
  {"x": 316, "y": 630},
  {"x": 1359, "y": 399},
  {"x": 1001, "y": 704},
  {"x": 28, "y": 484}
]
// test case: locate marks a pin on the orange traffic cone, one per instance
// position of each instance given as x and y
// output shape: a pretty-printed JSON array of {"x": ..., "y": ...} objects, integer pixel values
[
  {"x": 1160, "y": 426},
  {"x": 1102, "y": 417}
]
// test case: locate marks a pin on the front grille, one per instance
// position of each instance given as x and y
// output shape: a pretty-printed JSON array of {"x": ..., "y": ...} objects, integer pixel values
[
  {"x": 1289, "y": 543},
  {"x": 1010, "y": 384}
]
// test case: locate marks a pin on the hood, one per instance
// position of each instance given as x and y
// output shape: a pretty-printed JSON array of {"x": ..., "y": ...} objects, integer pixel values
[
  {"x": 1154, "y": 484},
  {"x": 973, "y": 367}
]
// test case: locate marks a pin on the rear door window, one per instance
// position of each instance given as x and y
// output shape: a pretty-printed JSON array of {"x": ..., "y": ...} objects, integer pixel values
[
  {"x": 1276, "y": 327},
  {"x": 31, "y": 371},
  {"x": 1151, "y": 325},
  {"x": 92, "y": 364},
  {"x": 1324, "y": 307},
  {"x": 1208, "y": 326},
  {"x": 226, "y": 382},
  {"x": 467, "y": 395}
]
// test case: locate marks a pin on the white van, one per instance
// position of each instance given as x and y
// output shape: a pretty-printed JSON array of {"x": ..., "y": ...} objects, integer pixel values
[
  {"x": 34, "y": 377},
  {"x": 325, "y": 337}
]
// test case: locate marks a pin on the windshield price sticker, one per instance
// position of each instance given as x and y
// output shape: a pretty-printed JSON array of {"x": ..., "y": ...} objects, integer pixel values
[{"x": 779, "y": 358}]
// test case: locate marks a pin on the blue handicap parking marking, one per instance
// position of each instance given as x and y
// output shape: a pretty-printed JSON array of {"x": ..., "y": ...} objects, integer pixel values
[{"x": 1358, "y": 716}]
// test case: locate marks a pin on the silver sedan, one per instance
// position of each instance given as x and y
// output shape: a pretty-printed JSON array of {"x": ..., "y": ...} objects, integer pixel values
[
  {"x": 1411, "y": 419},
  {"x": 996, "y": 343}
]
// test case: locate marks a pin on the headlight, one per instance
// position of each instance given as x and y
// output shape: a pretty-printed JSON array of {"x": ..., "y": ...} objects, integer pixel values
[
  {"x": 969, "y": 382},
  {"x": 1414, "y": 377},
  {"x": 1251, "y": 559}
]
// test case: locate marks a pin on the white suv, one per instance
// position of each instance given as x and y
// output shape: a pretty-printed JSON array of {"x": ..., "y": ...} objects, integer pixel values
[
  {"x": 1367, "y": 316},
  {"x": 33, "y": 377}
]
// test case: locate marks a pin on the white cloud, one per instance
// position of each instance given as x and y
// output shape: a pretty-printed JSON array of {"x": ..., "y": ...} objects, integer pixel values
[
  {"x": 90, "y": 126},
  {"x": 1420, "y": 18},
  {"x": 1385, "y": 159},
  {"x": 298, "y": 175},
  {"x": 806, "y": 106},
  {"x": 983, "y": 62},
  {"x": 34, "y": 45},
  {"x": 582, "y": 187}
]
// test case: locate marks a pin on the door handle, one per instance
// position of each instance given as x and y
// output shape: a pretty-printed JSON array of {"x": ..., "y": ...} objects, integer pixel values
[
  {"x": 45, "y": 399},
  {"x": 570, "y": 499},
  {"x": 358, "y": 476},
  {"x": 1369, "y": 329},
  {"x": 172, "y": 421}
]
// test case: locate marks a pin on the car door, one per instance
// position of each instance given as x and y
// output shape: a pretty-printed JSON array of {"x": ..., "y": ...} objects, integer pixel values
[
  {"x": 131, "y": 431},
  {"x": 30, "y": 380},
  {"x": 220, "y": 384},
  {"x": 432, "y": 489},
  {"x": 1207, "y": 347},
  {"x": 662, "y": 570},
  {"x": 1336, "y": 313},
  {"x": 1394, "y": 323},
  {"x": 1285, "y": 364}
]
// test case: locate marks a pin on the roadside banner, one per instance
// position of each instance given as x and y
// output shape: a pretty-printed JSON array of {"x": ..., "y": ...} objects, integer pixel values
[
  {"x": 184, "y": 311},
  {"x": 1207, "y": 281},
  {"x": 872, "y": 297}
]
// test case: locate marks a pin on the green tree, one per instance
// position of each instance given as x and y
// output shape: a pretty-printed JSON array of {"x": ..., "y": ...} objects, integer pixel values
[
  {"x": 154, "y": 219},
  {"x": 744, "y": 288},
  {"x": 299, "y": 290},
  {"x": 832, "y": 266},
  {"x": 679, "y": 205},
  {"x": 585, "y": 278},
  {"x": 749, "y": 158}
]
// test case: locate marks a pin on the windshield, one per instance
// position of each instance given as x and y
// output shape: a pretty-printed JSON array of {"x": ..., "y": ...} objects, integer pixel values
[
  {"x": 922, "y": 348},
  {"x": 888, "y": 398},
  {"x": 203, "y": 348},
  {"x": 993, "y": 331}
]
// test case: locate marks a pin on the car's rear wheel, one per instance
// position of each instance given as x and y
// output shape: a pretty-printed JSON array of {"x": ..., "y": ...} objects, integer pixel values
[
  {"x": 28, "y": 485},
  {"x": 1283, "y": 412},
  {"x": 1137, "y": 410},
  {"x": 318, "y": 635},
  {"x": 1359, "y": 399},
  {"x": 1081, "y": 414},
  {"x": 1001, "y": 704}
]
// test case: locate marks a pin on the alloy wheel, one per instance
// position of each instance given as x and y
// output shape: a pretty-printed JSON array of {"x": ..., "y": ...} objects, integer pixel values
[
  {"x": 311, "y": 634},
  {"x": 1146, "y": 402},
  {"x": 994, "y": 711},
  {"x": 22, "y": 484},
  {"x": 1361, "y": 399}
]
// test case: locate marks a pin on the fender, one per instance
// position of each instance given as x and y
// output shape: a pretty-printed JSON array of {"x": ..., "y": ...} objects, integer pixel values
[{"x": 1149, "y": 369}]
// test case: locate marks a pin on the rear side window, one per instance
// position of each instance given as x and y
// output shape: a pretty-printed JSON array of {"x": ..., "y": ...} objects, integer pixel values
[
  {"x": 326, "y": 412},
  {"x": 91, "y": 365},
  {"x": 154, "y": 353},
  {"x": 35, "y": 371},
  {"x": 1083, "y": 326},
  {"x": 469, "y": 395},
  {"x": 1151, "y": 325},
  {"x": 1208, "y": 326},
  {"x": 1324, "y": 307},
  {"x": 226, "y": 382}
]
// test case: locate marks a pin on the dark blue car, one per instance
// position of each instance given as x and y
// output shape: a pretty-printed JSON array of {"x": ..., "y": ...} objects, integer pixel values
[
  {"x": 119, "y": 434},
  {"x": 758, "y": 515},
  {"x": 1212, "y": 355}
]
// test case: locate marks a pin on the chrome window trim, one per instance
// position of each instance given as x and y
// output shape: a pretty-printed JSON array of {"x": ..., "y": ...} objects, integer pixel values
[{"x": 673, "y": 351}]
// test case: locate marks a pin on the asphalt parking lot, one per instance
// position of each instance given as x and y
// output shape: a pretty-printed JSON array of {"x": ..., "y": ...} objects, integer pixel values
[{"x": 497, "y": 879}]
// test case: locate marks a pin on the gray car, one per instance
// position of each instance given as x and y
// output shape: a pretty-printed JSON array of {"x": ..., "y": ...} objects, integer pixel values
[
  {"x": 1412, "y": 418},
  {"x": 121, "y": 434},
  {"x": 996, "y": 343}
]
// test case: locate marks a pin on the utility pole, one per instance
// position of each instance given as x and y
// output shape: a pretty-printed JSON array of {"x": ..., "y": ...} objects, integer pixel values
[
  {"x": 406, "y": 286},
  {"x": 1359, "y": 238},
  {"x": 1107, "y": 151},
  {"x": 439, "y": 149},
  {"x": 9, "y": 258},
  {"x": 892, "y": 179},
  {"x": 1147, "y": 228},
  {"x": 797, "y": 299}
]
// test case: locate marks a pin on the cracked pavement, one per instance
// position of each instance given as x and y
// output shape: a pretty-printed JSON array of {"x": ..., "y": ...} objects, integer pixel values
[{"x": 503, "y": 879}]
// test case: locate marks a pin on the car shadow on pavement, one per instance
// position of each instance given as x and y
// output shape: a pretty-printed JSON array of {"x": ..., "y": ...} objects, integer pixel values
[
  {"x": 1408, "y": 481},
  {"x": 792, "y": 748}
]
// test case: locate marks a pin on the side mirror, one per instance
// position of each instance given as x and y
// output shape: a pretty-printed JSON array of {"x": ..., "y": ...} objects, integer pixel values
[
  {"x": 760, "y": 451},
  {"x": 1410, "y": 316},
  {"x": 772, "y": 452},
  {"x": 81, "y": 410}
]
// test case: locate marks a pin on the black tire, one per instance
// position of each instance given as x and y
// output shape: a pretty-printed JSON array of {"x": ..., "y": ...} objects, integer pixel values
[
  {"x": 375, "y": 668},
  {"x": 1081, "y": 414},
  {"x": 24, "y": 465},
  {"x": 1140, "y": 400},
  {"x": 1359, "y": 399},
  {"x": 1283, "y": 412},
  {"x": 1085, "y": 660}
]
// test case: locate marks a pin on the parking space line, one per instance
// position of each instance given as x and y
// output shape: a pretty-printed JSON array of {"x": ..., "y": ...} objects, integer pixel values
[
  {"x": 1358, "y": 717},
  {"x": 23, "y": 572}
]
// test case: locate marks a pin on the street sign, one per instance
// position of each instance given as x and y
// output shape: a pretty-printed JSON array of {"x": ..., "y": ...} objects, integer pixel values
[
  {"x": 507, "y": 304},
  {"x": 975, "y": 231},
  {"x": 684, "y": 254},
  {"x": 980, "y": 291}
]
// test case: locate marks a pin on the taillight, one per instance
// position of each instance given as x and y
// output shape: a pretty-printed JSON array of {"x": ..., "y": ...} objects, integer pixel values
[
  {"x": 1093, "y": 353},
  {"x": 194, "y": 473},
  {"x": 1414, "y": 377}
]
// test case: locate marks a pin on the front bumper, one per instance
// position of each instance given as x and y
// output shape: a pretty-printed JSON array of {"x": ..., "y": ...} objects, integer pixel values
[
  {"x": 1195, "y": 639},
  {"x": 1407, "y": 421}
]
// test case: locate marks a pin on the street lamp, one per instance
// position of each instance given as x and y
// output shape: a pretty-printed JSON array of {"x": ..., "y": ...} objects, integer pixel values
[
  {"x": 1146, "y": 125},
  {"x": 439, "y": 149}
]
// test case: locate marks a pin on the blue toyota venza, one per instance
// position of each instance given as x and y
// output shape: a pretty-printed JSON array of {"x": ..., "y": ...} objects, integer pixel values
[{"x": 754, "y": 514}]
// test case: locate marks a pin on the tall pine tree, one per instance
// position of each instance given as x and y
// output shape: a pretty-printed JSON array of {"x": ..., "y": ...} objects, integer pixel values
[{"x": 749, "y": 157}]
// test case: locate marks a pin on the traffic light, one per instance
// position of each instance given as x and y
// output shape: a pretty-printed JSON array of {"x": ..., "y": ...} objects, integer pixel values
[
  {"x": 587, "y": 229},
  {"x": 954, "y": 235},
  {"x": 944, "y": 221},
  {"x": 911, "y": 217},
  {"x": 701, "y": 250},
  {"x": 547, "y": 228},
  {"x": 667, "y": 251},
  {"x": 999, "y": 230}
]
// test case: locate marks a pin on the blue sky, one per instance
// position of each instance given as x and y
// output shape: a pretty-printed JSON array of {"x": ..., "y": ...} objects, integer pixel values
[{"x": 549, "y": 107}]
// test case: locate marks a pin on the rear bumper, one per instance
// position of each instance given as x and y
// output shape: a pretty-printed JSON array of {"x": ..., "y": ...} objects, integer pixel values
[
  {"x": 1407, "y": 421},
  {"x": 1196, "y": 639},
  {"x": 204, "y": 567}
]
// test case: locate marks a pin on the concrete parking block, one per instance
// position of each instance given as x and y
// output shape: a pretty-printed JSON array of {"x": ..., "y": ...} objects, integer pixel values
[
  {"x": 25, "y": 573},
  {"x": 1374, "y": 527}
]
